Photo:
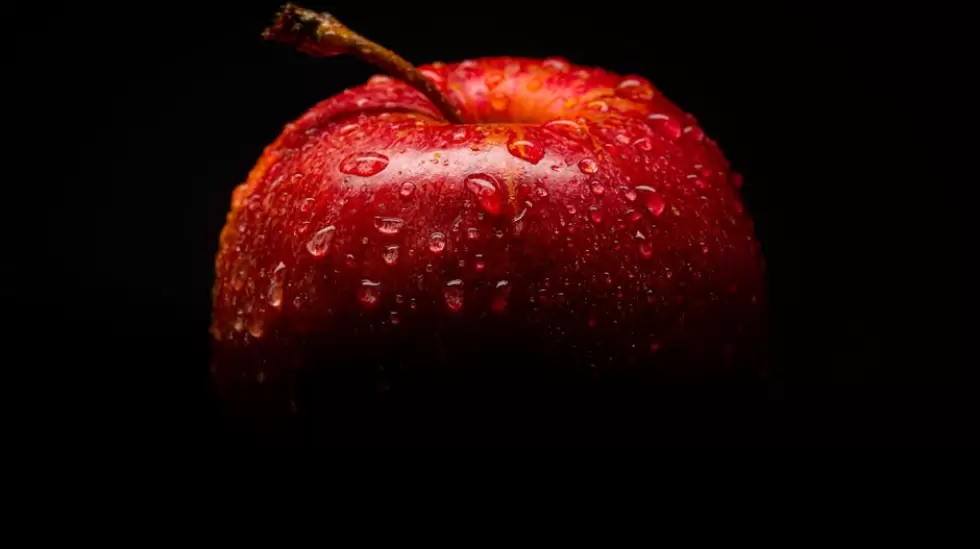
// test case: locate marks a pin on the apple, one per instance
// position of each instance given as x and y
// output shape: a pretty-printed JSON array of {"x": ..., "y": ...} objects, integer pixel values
[{"x": 487, "y": 231}]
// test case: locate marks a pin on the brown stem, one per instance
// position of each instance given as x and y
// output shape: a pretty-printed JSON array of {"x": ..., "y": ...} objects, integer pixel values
[{"x": 322, "y": 34}]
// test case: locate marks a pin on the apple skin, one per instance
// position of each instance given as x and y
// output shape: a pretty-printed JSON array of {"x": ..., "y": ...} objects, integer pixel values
[{"x": 578, "y": 228}]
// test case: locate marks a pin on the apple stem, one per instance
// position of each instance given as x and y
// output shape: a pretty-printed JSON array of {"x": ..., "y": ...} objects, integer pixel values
[{"x": 321, "y": 34}]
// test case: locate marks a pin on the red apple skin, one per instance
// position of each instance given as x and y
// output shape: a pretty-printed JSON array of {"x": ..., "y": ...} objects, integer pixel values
[{"x": 579, "y": 227}]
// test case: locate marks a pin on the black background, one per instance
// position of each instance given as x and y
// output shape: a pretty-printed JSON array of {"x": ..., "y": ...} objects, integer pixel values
[{"x": 135, "y": 123}]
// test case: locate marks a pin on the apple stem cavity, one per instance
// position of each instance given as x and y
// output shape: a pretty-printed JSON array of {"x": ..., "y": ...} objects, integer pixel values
[{"x": 321, "y": 34}]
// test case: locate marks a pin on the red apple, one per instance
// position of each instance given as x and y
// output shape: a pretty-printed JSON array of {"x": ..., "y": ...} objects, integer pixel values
[{"x": 574, "y": 226}]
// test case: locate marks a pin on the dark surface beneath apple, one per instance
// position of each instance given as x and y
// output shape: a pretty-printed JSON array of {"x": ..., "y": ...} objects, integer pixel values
[{"x": 159, "y": 111}]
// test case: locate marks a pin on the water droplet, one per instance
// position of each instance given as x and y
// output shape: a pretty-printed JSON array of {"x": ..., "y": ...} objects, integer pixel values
[
  {"x": 566, "y": 128},
  {"x": 256, "y": 325},
  {"x": 674, "y": 210},
  {"x": 350, "y": 261},
  {"x": 454, "y": 295},
  {"x": 694, "y": 133},
  {"x": 479, "y": 264},
  {"x": 588, "y": 165},
  {"x": 306, "y": 205},
  {"x": 493, "y": 79},
  {"x": 643, "y": 144},
  {"x": 484, "y": 187},
  {"x": 629, "y": 194},
  {"x": 556, "y": 64},
  {"x": 651, "y": 199},
  {"x": 571, "y": 209},
  {"x": 394, "y": 318},
  {"x": 239, "y": 324},
  {"x": 369, "y": 293},
  {"x": 473, "y": 233},
  {"x": 364, "y": 164},
  {"x": 597, "y": 188},
  {"x": 499, "y": 101},
  {"x": 275, "y": 285},
  {"x": 598, "y": 106},
  {"x": 526, "y": 150},
  {"x": 388, "y": 225},
  {"x": 499, "y": 233},
  {"x": 238, "y": 281},
  {"x": 437, "y": 242},
  {"x": 319, "y": 243},
  {"x": 665, "y": 125},
  {"x": 634, "y": 89},
  {"x": 541, "y": 192},
  {"x": 407, "y": 189},
  {"x": 595, "y": 214},
  {"x": 646, "y": 249},
  {"x": 391, "y": 255},
  {"x": 501, "y": 296}
]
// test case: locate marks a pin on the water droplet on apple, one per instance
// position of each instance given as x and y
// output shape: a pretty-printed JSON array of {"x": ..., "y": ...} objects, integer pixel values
[
  {"x": 588, "y": 165},
  {"x": 499, "y": 101},
  {"x": 646, "y": 249},
  {"x": 407, "y": 189},
  {"x": 364, "y": 164},
  {"x": 473, "y": 233},
  {"x": 388, "y": 225},
  {"x": 643, "y": 144},
  {"x": 437, "y": 242},
  {"x": 694, "y": 133},
  {"x": 238, "y": 281},
  {"x": 501, "y": 296},
  {"x": 571, "y": 209},
  {"x": 526, "y": 150},
  {"x": 478, "y": 263},
  {"x": 493, "y": 79},
  {"x": 306, "y": 205},
  {"x": 484, "y": 187},
  {"x": 350, "y": 261},
  {"x": 651, "y": 199},
  {"x": 541, "y": 192},
  {"x": 275, "y": 285},
  {"x": 629, "y": 194},
  {"x": 319, "y": 243},
  {"x": 665, "y": 125},
  {"x": 634, "y": 89},
  {"x": 369, "y": 293},
  {"x": 595, "y": 214},
  {"x": 598, "y": 106},
  {"x": 556, "y": 64},
  {"x": 597, "y": 188},
  {"x": 394, "y": 318},
  {"x": 391, "y": 255},
  {"x": 256, "y": 325},
  {"x": 567, "y": 128},
  {"x": 454, "y": 295}
]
